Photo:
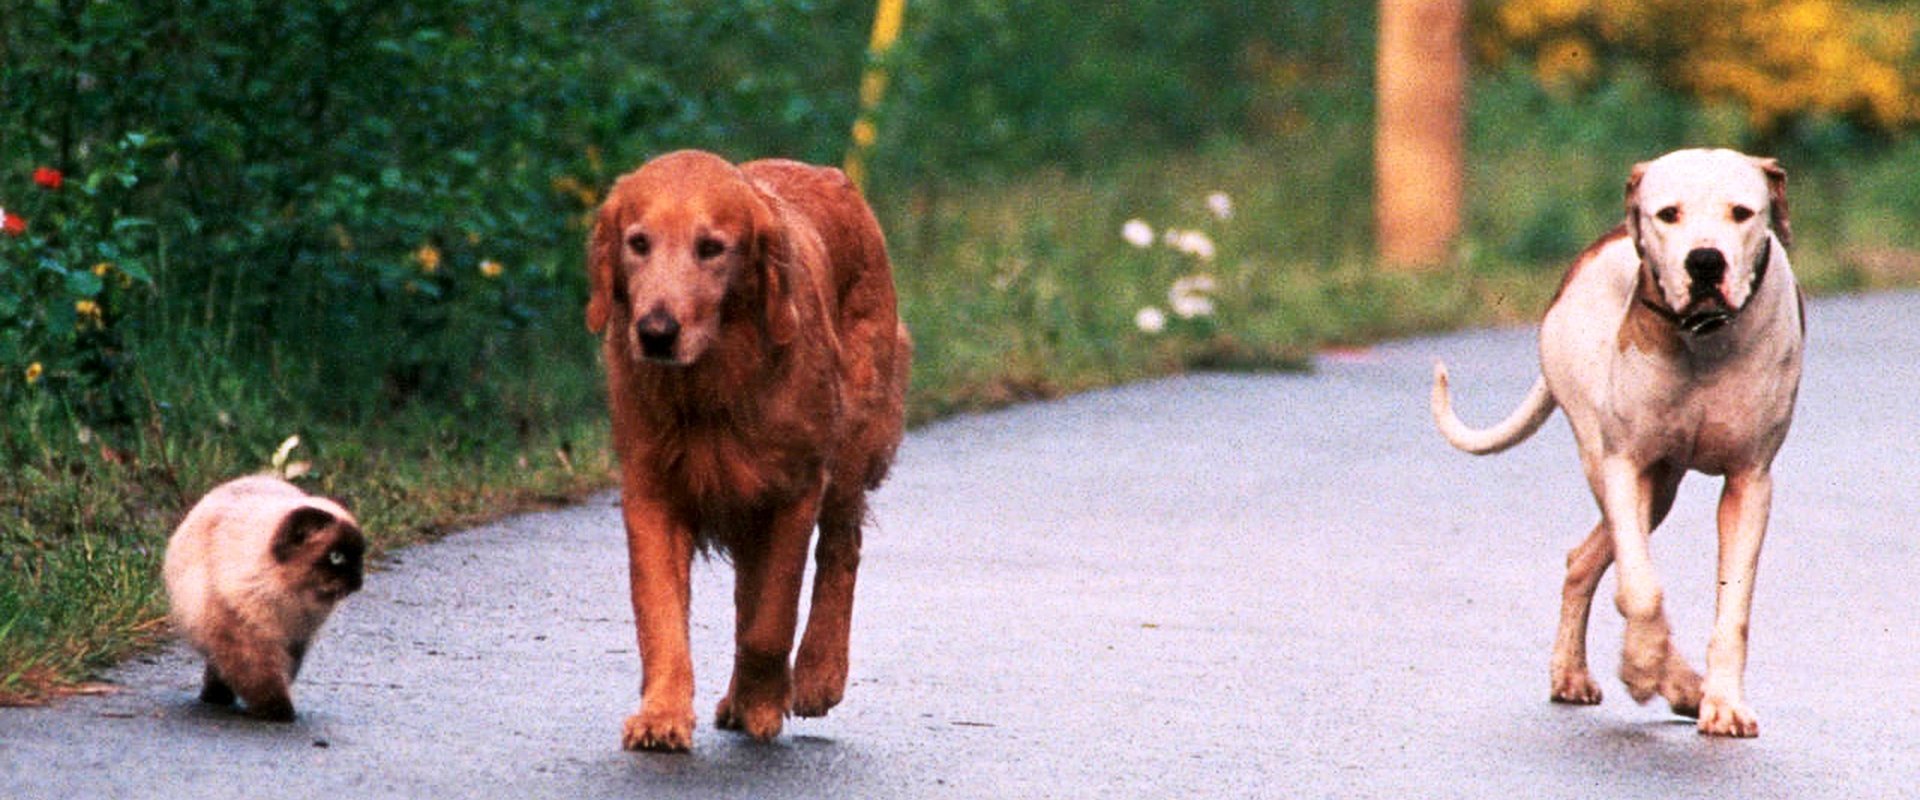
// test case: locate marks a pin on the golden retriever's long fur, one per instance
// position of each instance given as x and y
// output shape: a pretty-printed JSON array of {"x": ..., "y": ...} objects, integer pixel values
[{"x": 756, "y": 372}]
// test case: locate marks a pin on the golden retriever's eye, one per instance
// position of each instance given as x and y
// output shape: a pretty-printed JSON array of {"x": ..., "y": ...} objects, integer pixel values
[
  {"x": 1742, "y": 213},
  {"x": 708, "y": 248},
  {"x": 1669, "y": 215},
  {"x": 638, "y": 244}
]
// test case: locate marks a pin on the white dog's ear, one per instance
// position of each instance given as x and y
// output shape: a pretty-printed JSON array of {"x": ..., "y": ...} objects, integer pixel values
[
  {"x": 1777, "y": 198},
  {"x": 1633, "y": 204}
]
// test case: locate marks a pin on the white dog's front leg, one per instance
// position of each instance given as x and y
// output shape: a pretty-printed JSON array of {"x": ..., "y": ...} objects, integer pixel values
[
  {"x": 1744, "y": 505},
  {"x": 1585, "y": 564},
  {"x": 1627, "y": 503}
]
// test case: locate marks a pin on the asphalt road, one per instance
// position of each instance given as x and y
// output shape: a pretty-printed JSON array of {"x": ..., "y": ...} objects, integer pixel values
[{"x": 1209, "y": 586}]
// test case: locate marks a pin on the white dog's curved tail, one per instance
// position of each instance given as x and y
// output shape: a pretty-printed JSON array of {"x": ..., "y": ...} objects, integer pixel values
[{"x": 1532, "y": 413}]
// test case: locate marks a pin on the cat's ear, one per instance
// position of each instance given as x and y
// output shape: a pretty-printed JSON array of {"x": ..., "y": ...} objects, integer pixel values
[{"x": 299, "y": 526}]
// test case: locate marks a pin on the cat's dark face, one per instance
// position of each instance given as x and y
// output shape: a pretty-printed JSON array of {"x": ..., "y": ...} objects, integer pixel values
[{"x": 322, "y": 553}]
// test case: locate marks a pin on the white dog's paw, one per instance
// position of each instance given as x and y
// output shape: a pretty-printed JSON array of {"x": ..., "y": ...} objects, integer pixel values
[
  {"x": 1643, "y": 659},
  {"x": 1720, "y": 716},
  {"x": 1574, "y": 686},
  {"x": 1681, "y": 686}
]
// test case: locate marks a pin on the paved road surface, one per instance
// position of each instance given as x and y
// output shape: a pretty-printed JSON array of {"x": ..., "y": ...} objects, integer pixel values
[{"x": 1210, "y": 586}]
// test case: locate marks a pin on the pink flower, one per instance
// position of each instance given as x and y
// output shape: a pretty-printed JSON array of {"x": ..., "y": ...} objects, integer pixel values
[{"x": 48, "y": 177}]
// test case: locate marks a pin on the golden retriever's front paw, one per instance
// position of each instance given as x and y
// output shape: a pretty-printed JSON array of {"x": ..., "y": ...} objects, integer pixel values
[
  {"x": 761, "y": 721},
  {"x": 818, "y": 684},
  {"x": 1720, "y": 716},
  {"x": 670, "y": 732},
  {"x": 1575, "y": 687},
  {"x": 815, "y": 698}
]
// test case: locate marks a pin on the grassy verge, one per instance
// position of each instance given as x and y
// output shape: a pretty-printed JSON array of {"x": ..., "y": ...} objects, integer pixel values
[
  {"x": 1014, "y": 289},
  {"x": 83, "y": 527}
]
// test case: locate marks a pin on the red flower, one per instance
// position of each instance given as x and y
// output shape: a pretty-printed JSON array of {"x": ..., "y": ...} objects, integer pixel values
[
  {"x": 13, "y": 224},
  {"x": 48, "y": 177}
]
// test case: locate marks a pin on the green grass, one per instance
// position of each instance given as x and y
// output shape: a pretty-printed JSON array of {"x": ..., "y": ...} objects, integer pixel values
[
  {"x": 83, "y": 529},
  {"x": 1014, "y": 289}
]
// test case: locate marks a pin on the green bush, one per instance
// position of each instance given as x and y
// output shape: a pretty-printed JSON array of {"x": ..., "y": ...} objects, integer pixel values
[
  {"x": 364, "y": 201},
  {"x": 74, "y": 266},
  {"x": 990, "y": 88}
]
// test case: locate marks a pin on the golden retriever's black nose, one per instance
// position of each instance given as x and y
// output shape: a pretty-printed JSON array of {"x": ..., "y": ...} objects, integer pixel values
[
  {"x": 658, "y": 332},
  {"x": 1706, "y": 266}
]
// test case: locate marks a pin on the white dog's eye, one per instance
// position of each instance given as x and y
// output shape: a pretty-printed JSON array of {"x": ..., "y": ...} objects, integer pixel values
[
  {"x": 1742, "y": 213},
  {"x": 336, "y": 558},
  {"x": 1669, "y": 215}
]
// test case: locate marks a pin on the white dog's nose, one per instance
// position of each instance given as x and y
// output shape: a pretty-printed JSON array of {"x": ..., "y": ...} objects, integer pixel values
[{"x": 1706, "y": 266}]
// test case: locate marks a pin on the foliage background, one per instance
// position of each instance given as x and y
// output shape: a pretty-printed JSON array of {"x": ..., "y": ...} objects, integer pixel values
[{"x": 362, "y": 221}]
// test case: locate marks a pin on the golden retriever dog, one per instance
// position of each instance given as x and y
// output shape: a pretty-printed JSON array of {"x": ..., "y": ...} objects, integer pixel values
[{"x": 756, "y": 373}]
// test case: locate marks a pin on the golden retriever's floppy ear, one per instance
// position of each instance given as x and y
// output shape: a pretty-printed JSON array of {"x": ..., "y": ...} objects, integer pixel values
[
  {"x": 773, "y": 258},
  {"x": 1633, "y": 205},
  {"x": 603, "y": 258},
  {"x": 1777, "y": 198}
]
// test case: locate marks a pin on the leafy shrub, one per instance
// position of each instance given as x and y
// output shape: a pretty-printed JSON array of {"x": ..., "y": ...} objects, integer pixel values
[
  {"x": 997, "y": 87},
  {"x": 73, "y": 268},
  {"x": 1779, "y": 61},
  {"x": 267, "y": 175}
]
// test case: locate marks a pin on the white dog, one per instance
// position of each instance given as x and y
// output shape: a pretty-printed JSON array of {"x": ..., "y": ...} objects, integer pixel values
[{"x": 1674, "y": 344}]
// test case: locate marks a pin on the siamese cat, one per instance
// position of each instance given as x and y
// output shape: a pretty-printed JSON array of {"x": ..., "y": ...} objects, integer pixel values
[{"x": 252, "y": 573}]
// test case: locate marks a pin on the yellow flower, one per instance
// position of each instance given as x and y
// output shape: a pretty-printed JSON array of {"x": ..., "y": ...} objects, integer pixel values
[
  {"x": 864, "y": 133},
  {"x": 101, "y": 269},
  {"x": 429, "y": 258},
  {"x": 491, "y": 268},
  {"x": 34, "y": 370},
  {"x": 1565, "y": 61},
  {"x": 569, "y": 185},
  {"x": 88, "y": 310},
  {"x": 1776, "y": 60}
]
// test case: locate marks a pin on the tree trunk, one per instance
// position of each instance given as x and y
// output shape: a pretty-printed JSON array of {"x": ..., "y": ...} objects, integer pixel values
[{"x": 1420, "y": 133}]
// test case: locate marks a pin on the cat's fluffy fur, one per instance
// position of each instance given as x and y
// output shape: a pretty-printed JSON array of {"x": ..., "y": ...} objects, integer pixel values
[{"x": 252, "y": 573}]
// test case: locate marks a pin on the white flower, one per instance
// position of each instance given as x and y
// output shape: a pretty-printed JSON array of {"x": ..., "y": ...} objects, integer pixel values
[
  {"x": 1221, "y": 205},
  {"x": 286, "y": 447},
  {"x": 1137, "y": 233},
  {"x": 1188, "y": 297},
  {"x": 289, "y": 470},
  {"x": 1193, "y": 243},
  {"x": 1150, "y": 320}
]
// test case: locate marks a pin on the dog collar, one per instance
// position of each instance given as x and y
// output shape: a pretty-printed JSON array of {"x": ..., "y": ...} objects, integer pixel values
[{"x": 1696, "y": 324}]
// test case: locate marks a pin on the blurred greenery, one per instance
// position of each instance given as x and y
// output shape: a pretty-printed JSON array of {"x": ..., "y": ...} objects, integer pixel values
[
  {"x": 363, "y": 222},
  {"x": 1780, "y": 63}
]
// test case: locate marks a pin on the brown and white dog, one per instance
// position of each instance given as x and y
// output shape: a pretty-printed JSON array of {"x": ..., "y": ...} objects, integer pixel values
[
  {"x": 1674, "y": 344},
  {"x": 756, "y": 372}
]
